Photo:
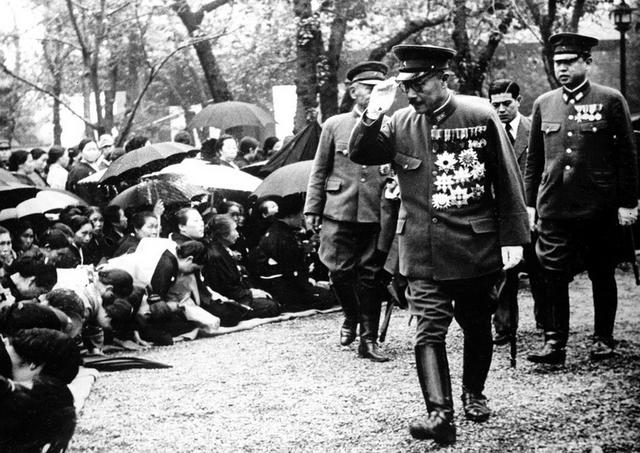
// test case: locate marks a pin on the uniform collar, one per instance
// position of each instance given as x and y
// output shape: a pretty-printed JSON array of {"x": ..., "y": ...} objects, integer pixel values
[
  {"x": 445, "y": 110},
  {"x": 577, "y": 94}
]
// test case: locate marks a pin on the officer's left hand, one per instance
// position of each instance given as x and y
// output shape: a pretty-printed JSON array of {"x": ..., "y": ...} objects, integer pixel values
[
  {"x": 627, "y": 216},
  {"x": 511, "y": 256}
]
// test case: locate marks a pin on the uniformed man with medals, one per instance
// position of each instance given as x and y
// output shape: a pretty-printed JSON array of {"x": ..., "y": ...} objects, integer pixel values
[
  {"x": 462, "y": 220},
  {"x": 581, "y": 180}
]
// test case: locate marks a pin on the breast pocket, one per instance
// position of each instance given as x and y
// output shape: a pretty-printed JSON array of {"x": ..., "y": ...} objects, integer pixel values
[
  {"x": 332, "y": 184},
  {"x": 404, "y": 163},
  {"x": 342, "y": 148},
  {"x": 549, "y": 128},
  {"x": 594, "y": 127}
]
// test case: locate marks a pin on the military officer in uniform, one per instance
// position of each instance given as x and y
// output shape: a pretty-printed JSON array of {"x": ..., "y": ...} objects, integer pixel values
[
  {"x": 345, "y": 198},
  {"x": 504, "y": 95},
  {"x": 462, "y": 219},
  {"x": 581, "y": 180}
]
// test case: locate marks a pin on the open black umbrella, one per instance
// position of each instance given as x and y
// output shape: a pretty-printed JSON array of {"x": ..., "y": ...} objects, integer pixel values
[
  {"x": 12, "y": 193},
  {"x": 287, "y": 180},
  {"x": 148, "y": 192},
  {"x": 146, "y": 160},
  {"x": 225, "y": 115},
  {"x": 302, "y": 146}
]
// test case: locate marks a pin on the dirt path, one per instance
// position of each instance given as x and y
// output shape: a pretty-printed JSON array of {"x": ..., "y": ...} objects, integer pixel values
[{"x": 289, "y": 387}]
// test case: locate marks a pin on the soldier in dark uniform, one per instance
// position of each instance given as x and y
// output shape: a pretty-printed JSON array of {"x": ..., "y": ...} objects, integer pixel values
[
  {"x": 462, "y": 219},
  {"x": 504, "y": 95},
  {"x": 345, "y": 197},
  {"x": 581, "y": 178}
]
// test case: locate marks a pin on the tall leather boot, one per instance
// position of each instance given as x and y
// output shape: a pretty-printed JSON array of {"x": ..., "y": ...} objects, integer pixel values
[
  {"x": 370, "y": 304},
  {"x": 476, "y": 361},
  {"x": 433, "y": 373},
  {"x": 555, "y": 318},
  {"x": 347, "y": 295}
]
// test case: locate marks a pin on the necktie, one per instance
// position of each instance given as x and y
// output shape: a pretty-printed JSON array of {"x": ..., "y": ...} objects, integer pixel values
[{"x": 509, "y": 130}]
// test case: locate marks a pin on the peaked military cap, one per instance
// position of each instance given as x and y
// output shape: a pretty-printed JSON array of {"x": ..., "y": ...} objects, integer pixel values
[
  {"x": 368, "y": 72},
  {"x": 418, "y": 60},
  {"x": 572, "y": 43}
]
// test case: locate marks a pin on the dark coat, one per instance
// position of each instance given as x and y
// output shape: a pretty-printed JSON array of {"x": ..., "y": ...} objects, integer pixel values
[
  {"x": 581, "y": 164},
  {"x": 80, "y": 170},
  {"x": 521, "y": 145},
  {"x": 451, "y": 225},
  {"x": 338, "y": 188},
  {"x": 222, "y": 275}
]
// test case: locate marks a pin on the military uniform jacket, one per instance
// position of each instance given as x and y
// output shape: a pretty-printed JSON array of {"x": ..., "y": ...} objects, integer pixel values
[
  {"x": 462, "y": 194},
  {"x": 582, "y": 159},
  {"x": 338, "y": 188}
]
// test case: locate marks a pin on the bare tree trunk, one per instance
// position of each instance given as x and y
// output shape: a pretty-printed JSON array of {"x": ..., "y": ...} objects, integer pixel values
[
  {"x": 472, "y": 70},
  {"x": 110, "y": 96},
  {"x": 132, "y": 79},
  {"x": 86, "y": 106},
  {"x": 309, "y": 47},
  {"x": 57, "y": 126},
  {"x": 192, "y": 20}
]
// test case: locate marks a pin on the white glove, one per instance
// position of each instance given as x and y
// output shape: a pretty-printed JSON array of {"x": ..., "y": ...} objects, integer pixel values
[
  {"x": 511, "y": 256},
  {"x": 627, "y": 216},
  {"x": 382, "y": 96}
]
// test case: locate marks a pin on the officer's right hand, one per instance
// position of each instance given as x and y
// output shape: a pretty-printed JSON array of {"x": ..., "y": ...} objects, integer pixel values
[
  {"x": 312, "y": 221},
  {"x": 382, "y": 96},
  {"x": 532, "y": 217}
]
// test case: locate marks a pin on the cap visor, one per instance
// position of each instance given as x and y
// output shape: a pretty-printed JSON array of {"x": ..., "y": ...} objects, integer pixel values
[
  {"x": 564, "y": 56},
  {"x": 369, "y": 81},
  {"x": 405, "y": 76}
]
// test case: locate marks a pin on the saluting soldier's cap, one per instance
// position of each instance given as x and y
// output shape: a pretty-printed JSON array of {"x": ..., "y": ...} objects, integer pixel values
[
  {"x": 368, "y": 72},
  {"x": 419, "y": 60},
  {"x": 572, "y": 44}
]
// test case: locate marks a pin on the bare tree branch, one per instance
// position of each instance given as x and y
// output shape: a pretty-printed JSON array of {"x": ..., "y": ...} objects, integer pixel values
[
  {"x": 207, "y": 7},
  {"x": 412, "y": 27},
  {"x": 150, "y": 78},
  {"x": 47, "y": 92},
  {"x": 74, "y": 23}
]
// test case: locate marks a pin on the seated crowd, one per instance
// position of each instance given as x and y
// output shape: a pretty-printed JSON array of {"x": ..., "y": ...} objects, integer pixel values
[{"x": 137, "y": 277}]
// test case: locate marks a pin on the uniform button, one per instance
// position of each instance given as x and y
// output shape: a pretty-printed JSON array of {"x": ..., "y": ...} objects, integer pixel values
[
  {"x": 572, "y": 101},
  {"x": 570, "y": 117},
  {"x": 594, "y": 129},
  {"x": 569, "y": 150},
  {"x": 364, "y": 166},
  {"x": 434, "y": 220},
  {"x": 568, "y": 167},
  {"x": 434, "y": 173},
  {"x": 570, "y": 134},
  {"x": 406, "y": 166},
  {"x": 362, "y": 179}
]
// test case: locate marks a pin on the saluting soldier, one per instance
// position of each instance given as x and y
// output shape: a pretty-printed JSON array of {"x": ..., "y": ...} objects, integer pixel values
[
  {"x": 505, "y": 97},
  {"x": 581, "y": 178},
  {"x": 345, "y": 198},
  {"x": 462, "y": 219}
]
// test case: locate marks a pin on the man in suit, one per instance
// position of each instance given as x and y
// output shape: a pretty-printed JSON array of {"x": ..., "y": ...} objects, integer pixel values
[
  {"x": 462, "y": 220},
  {"x": 581, "y": 181},
  {"x": 345, "y": 198},
  {"x": 505, "y": 97}
]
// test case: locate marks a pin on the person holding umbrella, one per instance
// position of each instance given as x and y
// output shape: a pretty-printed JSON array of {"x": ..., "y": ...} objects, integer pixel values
[
  {"x": 88, "y": 165},
  {"x": 345, "y": 198}
]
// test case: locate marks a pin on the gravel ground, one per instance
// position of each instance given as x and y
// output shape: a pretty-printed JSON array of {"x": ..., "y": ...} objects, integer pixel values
[{"x": 289, "y": 387}]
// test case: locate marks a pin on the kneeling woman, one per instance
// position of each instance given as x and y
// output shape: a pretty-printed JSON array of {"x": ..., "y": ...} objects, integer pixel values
[{"x": 222, "y": 274}]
